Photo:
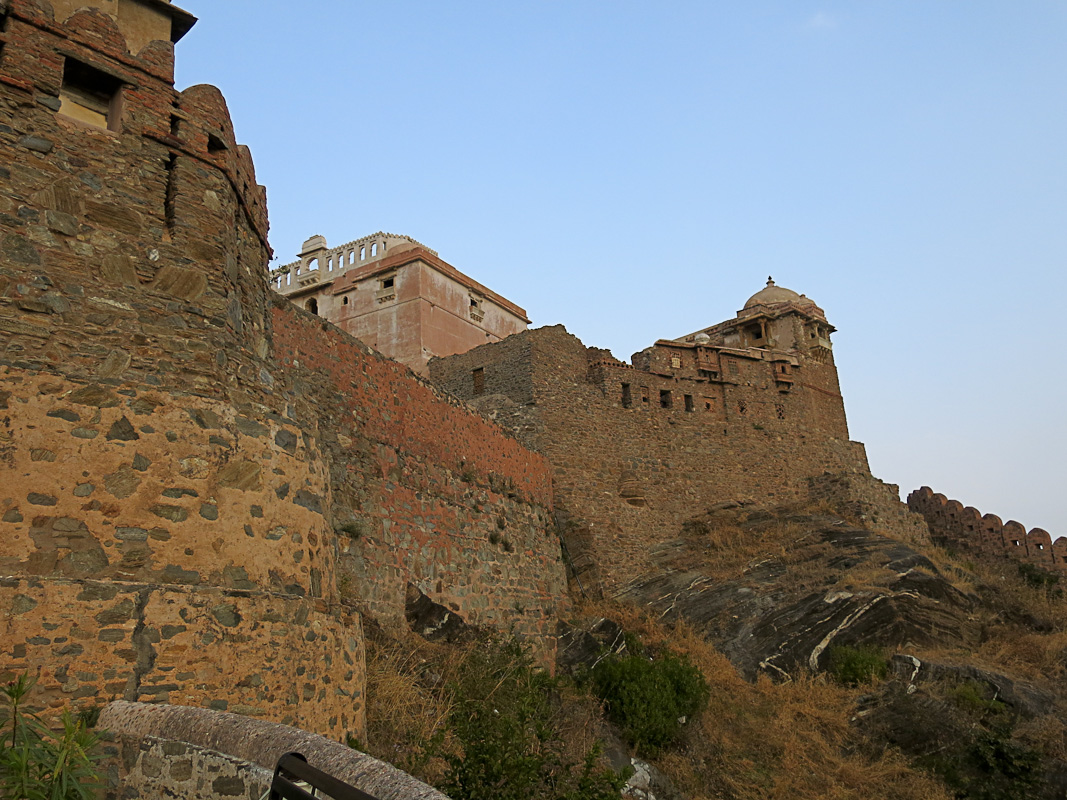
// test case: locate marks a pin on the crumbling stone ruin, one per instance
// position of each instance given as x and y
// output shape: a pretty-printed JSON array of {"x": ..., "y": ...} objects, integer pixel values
[{"x": 397, "y": 296}]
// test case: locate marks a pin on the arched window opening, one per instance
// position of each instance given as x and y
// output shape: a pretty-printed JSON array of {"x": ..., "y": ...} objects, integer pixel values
[{"x": 312, "y": 306}]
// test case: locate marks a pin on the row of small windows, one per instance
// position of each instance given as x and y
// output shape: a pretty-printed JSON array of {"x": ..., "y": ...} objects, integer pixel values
[{"x": 666, "y": 399}]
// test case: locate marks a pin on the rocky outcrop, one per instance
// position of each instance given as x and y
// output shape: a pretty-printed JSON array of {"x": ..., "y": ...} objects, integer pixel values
[{"x": 830, "y": 584}]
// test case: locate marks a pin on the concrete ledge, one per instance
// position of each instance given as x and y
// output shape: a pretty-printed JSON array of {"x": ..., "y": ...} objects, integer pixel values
[{"x": 261, "y": 742}]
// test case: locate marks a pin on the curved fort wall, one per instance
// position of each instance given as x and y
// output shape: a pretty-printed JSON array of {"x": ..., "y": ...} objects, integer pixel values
[
  {"x": 184, "y": 519},
  {"x": 985, "y": 534}
]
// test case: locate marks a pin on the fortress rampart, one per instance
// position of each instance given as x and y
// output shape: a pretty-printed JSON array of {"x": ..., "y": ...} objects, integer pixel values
[
  {"x": 638, "y": 450},
  {"x": 986, "y": 535},
  {"x": 204, "y": 493}
]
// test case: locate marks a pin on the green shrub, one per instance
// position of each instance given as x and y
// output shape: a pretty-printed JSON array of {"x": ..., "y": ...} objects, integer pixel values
[
  {"x": 1038, "y": 578},
  {"x": 650, "y": 699},
  {"x": 504, "y": 745},
  {"x": 38, "y": 764},
  {"x": 852, "y": 666}
]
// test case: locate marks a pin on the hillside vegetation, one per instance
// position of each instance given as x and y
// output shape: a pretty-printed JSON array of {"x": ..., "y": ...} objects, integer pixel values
[{"x": 833, "y": 662}]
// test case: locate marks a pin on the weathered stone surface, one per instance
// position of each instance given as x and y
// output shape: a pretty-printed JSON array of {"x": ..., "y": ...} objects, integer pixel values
[
  {"x": 243, "y": 475},
  {"x": 185, "y": 284},
  {"x": 38, "y": 144},
  {"x": 114, "y": 365},
  {"x": 93, "y": 395},
  {"x": 19, "y": 250},
  {"x": 170, "y": 512},
  {"x": 122, "y": 430},
  {"x": 122, "y": 482},
  {"x": 118, "y": 269}
]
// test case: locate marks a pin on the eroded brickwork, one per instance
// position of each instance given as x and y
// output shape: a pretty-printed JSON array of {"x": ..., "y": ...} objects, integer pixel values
[{"x": 966, "y": 528}]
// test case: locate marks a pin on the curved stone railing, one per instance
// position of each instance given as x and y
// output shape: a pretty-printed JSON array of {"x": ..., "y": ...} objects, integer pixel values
[
  {"x": 258, "y": 742},
  {"x": 968, "y": 528}
]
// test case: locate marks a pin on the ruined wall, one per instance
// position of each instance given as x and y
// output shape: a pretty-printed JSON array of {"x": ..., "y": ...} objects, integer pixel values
[
  {"x": 148, "y": 547},
  {"x": 424, "y": 492},
  {"x": 985, "y": 535},
  {"x": 627, "y": 478}
]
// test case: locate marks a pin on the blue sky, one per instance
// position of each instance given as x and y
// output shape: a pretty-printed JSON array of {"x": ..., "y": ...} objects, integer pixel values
[{"x": 637, "y": 170}]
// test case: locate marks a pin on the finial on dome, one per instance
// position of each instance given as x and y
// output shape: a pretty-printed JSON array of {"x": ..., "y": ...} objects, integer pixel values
[{"x": 770, "y": 281}]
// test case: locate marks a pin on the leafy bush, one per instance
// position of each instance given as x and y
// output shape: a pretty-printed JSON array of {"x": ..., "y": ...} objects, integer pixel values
[
  {"x": 650, "y": 699},
  {"x": 37, "y": 764},
  {"x": 503, "y": 743},
  {"x": 1038, "y": 578},
  {"x": 852, "y": 666}
]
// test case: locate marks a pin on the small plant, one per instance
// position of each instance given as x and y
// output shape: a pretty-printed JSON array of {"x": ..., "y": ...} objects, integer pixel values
[
  {"x": 970, "y": 697},
  {"x": 852, "y": 666},
  {"x": 650, "y": 699},
  {"x": 504, "y": 744},
  {"x": 1038, "y": 578},
  {"x": 39, "y": 764},
  {"x": 494, "y": 537}
]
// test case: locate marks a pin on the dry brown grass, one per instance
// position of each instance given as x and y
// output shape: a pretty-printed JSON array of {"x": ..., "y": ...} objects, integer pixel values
[
  {"x": 408, "y": 701},
  {"x": 767, "y": 740}
]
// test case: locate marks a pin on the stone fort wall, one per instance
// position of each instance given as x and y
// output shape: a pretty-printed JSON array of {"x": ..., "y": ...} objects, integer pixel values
[
  {"x": 190, "y": 514},
  {"x": 627, "y": 478},
  {"x": 985, "y": 535},
  {"x": 424, "y": 492}
]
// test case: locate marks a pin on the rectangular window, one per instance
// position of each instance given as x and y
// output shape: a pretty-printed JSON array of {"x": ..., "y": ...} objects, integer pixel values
[
  {"x": 644, "y": 395},
  {"x": 734, "y": 369},
  {"x": 676, "y": 362},
  {"x": 665, "y": 398},
  {"x": 387, "y": 283},
  {"x": 709, "y": 404},
  {"x": 689, "y": 402},
  {"x": 90, "y": 96},
  {"x": 479, "y": 381},
  {"x": 627, "y": 399}
]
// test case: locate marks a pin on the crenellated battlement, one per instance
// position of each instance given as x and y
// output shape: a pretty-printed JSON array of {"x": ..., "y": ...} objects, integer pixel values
[{"x": 985, "y": 534}]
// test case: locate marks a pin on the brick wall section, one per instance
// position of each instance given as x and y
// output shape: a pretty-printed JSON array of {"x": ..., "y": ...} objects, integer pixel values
[
  {"x": 424, "y": 491},
  {"x": 627, "y": 478},
  {"x": 967, "y": 529}
]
